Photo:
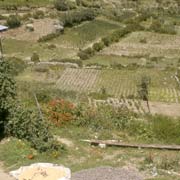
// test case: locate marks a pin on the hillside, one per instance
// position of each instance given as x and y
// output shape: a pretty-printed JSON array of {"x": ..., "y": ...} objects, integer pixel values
[{"x": 90, "y": 69}]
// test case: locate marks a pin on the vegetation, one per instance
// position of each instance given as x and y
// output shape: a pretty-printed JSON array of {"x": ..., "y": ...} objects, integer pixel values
[
  {"x": 94, "y": 80},
  {"x": 76, "y": 17},
  {"x": 64, "y": 5},
  {"x": 13, "y": 21}
]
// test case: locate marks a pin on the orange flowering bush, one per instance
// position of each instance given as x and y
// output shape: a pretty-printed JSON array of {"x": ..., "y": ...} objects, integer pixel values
[{"x": 61, "y": 111}]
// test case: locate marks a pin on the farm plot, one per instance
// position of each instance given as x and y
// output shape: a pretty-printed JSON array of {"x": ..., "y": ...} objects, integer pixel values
[
  {"x": 140, "y": 107},
  {"x": 146, "y": 44},
  {"x": 86, "y": 33},
  {"x": 42, "y": 27},
  {"x": 25, "y": 49},
  {"x": 113, "y": 59},
  {"x": 81, "y": 80},
  {"x": 124, "y": 83},
  {"x": 121, "y": 83}
]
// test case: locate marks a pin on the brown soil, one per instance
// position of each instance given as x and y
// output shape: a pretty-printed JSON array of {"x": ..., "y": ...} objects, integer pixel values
[{"x": 42, "y": 27}]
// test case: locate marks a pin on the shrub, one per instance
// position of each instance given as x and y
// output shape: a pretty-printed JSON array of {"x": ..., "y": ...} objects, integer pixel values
[
  {"x": 18, "y": 65},
  {"x": 106, "y": 41},
  {"x": 38, "y": 14},
  {"x": 76, "y": 17},
  {"x": 159, "y": 26},
  {"x": 98, "y": 46},
  {"x": 27, "y": 124},
  {"x": 13, "y": 21},
  {"x": 7, "y": 94},
  {"x": 35, "y": 58},
  {"x": 49, "y": 37},
  {"x": 60, "y": 111},
  {"x": 86, "y": 54},
  {"x": 64, "y": 5}
]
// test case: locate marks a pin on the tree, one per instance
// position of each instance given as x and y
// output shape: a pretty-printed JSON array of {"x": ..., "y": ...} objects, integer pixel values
[
  {"x": 7, "y": 94},
  {"x": 143, "y": 89}
]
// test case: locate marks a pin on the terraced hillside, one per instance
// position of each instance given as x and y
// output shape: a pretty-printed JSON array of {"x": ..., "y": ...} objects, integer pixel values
[{"x": 121, "y": 83}]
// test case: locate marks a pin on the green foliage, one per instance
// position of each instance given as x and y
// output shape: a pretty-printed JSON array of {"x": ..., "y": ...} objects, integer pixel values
[
  {"x": 86, "y": 54},
  {"x": 64, "y": 5},
  {"x": 27, "y": 124},
  {"x": 13, "y": 21},
  {"x": 102, "y": 117},
  {"x": 35, "y": 58},
  {"x": 159, "y": 26},
  {"x": 18, "y": 65},
  {"x": 7, "y": 93},
  {"x": 166, "y": 129},
  {"x": 38, "y": 14},
  {"x": 75, "y": 17},
  {"x": 106, "y": 41},
  {"x": 49, "y": 36},
  {"x": 98, "y": 46}
]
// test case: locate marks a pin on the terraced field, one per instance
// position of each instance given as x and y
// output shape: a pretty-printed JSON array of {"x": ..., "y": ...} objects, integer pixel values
[
  {"x": 78, "y": 79},
  {"x": 160, "y": 45},
  {"x": 121, "y": 83},
  {"x": 86, "y": 33}
]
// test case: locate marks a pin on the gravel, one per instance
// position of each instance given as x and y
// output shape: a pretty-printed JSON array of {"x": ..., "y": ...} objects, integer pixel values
[{"x": 108, "y": 173}]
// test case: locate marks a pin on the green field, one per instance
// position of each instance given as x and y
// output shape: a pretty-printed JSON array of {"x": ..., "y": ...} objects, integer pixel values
[{"x": 86, "y": 33}]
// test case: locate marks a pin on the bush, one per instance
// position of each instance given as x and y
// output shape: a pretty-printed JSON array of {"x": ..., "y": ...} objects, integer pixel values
[
  {"x": 77, "y": 17},
  {"x": 98, "y": 46},
  {"x": 38, "y": 14},
  {"x": 18, "y": 65},
  {"x": 60, "y": 111},
  {"x": 86, "y": 54},
  {"x": 27, "y": 124},
  {"x": 159, "y": 26},
  {"x": 49, "y": 37},
  {"x": 35, "y": 58},
  {"x": 64, "y": 5},
  {"x": 13, "y": 21},
  {"x": 7, "y": 94},
  {"x": 106, "y": 41}
]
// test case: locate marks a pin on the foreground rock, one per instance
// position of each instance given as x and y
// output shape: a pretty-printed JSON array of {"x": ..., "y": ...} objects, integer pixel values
[{"x": 108, "y": 173}]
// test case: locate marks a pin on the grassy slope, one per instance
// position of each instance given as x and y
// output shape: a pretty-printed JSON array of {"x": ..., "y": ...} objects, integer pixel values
[
  {"x": 86, "y": 33},
  {"x": 24, "y": 2}
]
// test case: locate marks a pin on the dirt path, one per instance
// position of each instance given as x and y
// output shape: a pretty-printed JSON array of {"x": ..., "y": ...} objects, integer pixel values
[{"x": 4, "y": 175}]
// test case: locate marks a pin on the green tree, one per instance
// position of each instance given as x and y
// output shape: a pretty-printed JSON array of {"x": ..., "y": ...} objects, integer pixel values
[
  {"x": 143, "y": 89},
  {"x": 7, "y": 94}
]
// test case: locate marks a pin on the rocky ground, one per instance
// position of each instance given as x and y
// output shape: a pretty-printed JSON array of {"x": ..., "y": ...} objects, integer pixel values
[{"x": 108, "y": 173}]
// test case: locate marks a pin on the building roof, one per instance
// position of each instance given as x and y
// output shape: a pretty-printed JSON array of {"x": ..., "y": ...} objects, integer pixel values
[{"x": 3, "y": 28}]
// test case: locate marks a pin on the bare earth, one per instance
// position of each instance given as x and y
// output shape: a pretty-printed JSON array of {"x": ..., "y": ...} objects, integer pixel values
[
  {"x": 5, "y": 176},
  {"x": 108, "y": 173},
  {"x": 23, "y": 34}
]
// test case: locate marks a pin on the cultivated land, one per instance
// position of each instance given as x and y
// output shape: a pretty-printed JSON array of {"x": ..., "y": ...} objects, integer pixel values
[{"x": 98, "y": 63}]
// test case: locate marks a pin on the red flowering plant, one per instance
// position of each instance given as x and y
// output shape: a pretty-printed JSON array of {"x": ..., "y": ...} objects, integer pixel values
[{"x": 61, "y": 111}]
